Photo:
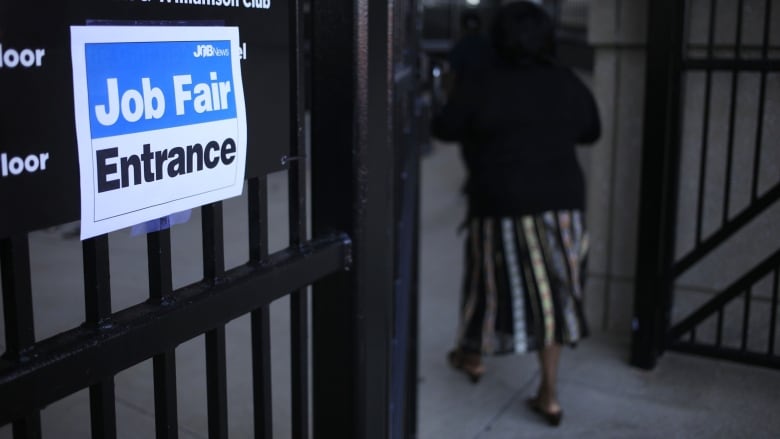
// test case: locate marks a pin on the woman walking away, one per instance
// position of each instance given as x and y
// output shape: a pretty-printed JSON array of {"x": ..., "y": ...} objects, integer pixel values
[{"x": 518, "y": 122}]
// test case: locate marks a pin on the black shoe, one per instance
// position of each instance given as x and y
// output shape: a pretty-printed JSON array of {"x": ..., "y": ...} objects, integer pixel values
[
  {"x": 468, "y": 364},
  {"x": 552, "y": 418}
]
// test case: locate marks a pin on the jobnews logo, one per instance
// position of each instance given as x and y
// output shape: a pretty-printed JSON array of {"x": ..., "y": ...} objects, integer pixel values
[{"x": 208, "y": 50}]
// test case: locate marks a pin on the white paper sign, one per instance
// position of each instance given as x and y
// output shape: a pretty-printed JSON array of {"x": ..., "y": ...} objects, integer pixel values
[{"x": 160, "y": 121}]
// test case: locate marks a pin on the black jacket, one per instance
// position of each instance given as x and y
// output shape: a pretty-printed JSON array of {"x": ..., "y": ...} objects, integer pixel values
[{"x": 518, "y": 126}]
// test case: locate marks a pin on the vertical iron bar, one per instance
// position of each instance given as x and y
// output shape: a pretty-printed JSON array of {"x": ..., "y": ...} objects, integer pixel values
[
  {"x": 261, "y": 372},
  {"x": 97, "y": 286},
  {"x": 761, "y": 100},
  {"x": 375, "y": 238},
  {"x": 732, "y": 115},
  {"x": 300, "y": 361},
  {"x": 352, "y": 172},
  {"x": 333, "y": 121},
  {"x": 165, "y": 407},
  {"x": 213, "y": 242},
  {"x": 27, "y": 428},
  {"x": 414, "y": 296},
  {"x": 414, "y": 327},
  {"x": 719, "y": 330},
  {"x": 706, "y": 125},
  {"x": 299, "y": 303},
  {"x": 260, "y": 318},
  {"x": 773, "y": 318},
  {"x": 97, "y": 297},
  {"x": 405, "y": 120},
  {"x": 692, "y": 338},
  {"x": 164, "y": 364},
  {"x": 746, "y": 319},
  {"x": 159, "y": 252},
  {"x": 659, "y": 182},
  {"x": 216, "y": 383},
  {"x": 18, "y": 314},
  {"x": 102, "y": 407},
  {"x": 17, "y": 296},
  {"x": 258, "y": 218},
  {"x": 297, "y": 170},
  {"x": 213, "y": 271}
]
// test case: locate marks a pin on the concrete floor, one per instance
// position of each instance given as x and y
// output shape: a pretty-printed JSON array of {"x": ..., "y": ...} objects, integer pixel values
[{"x": 602, "y": 396}]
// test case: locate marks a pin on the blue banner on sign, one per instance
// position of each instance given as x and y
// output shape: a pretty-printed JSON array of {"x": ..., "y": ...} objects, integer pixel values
[{"x": 135, "y": 87}]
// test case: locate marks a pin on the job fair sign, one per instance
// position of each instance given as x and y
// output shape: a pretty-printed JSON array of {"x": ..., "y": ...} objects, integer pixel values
[{"x": 160, "y": 121}]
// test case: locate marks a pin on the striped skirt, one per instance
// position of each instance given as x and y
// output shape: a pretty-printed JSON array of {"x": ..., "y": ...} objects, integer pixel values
[{"x": 523, "y": 283}]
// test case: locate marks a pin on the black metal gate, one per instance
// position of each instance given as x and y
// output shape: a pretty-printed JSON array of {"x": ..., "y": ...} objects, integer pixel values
[
  {"x": 710, "y": 187},
  {"x": 360, "y": 258}
]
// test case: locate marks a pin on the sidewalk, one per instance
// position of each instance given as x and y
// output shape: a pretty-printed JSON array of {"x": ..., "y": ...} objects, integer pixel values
[{"x": 602, "y": 396}]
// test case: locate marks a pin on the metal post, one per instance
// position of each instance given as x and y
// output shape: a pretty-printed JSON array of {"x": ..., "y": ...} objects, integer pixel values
[
  {"x": 299, "y": 300},
  {"x": 352, "y": 153},
  {"x": 332, "y": 136},
  {"x": 658, "y": 194}
]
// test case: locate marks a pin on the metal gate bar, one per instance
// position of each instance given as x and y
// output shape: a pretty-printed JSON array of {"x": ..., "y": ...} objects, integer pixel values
[
  {"x": 97, "y": 298},
  {"x": 166, "y": 418},
  {"x": 54, "y": 368},
  {"x": 216, "y": 379},
  {"x": 299, "y": 302},
  {"x": 736, "y": 65},
  {"x": 743, "y": 65},
  {"x": 762, "y": 92},
  {"x": 657, "y": 267},
  {"x": 705, "y": 131},
  {"x": 18, "y": 314},
  {"x": 660, "y": 158},
  {"x": 299, "y": 314},
  {"x": 741, "y": 286},
  {"x": 732, "y": 116},
  {"x": 353, "y": 153},
  {"x": 758, "y": 206},
  {"x": 773, "y": 317},
  {"x": 216, "y": 374},
  {"x": 716, "y": 306},
  {"x": 260, "y": 318}
]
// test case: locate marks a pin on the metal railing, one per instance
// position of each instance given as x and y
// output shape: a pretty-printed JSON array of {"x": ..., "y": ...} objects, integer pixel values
[
  {"x": 715, "y": 308},
  {"x": 361, "y": 265},
  {"x": 670, "y": 58}
]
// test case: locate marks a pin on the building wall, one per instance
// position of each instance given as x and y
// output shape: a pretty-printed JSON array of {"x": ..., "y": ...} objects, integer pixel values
[{"x": 617, "y": 31}]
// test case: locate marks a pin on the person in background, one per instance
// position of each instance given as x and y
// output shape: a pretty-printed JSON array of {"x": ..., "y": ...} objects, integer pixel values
[
  {"x": 472, "y": 52},
  {"x": 518, "y": 121}
]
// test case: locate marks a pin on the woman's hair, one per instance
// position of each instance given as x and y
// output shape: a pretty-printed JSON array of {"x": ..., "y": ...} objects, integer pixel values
[
  {"x": 470, "y": 21},
  {"x": 522, "y": 31}
]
